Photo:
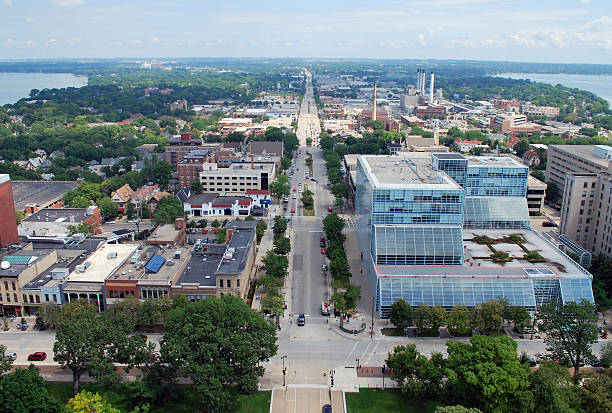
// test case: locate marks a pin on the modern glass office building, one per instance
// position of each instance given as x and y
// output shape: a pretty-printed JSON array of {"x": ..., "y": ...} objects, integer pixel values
[{"x": 421, "y": 219}]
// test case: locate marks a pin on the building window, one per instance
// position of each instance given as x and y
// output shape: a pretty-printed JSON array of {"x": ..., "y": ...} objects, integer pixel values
[
  {"x": 55, "y": 298},
  {"x": 31, "y": 299},
  {"x": 38, "y": 299},
  {"x": 46, "y": 297},
  {"x": 13, "y": 284},
  {"x": 238, "y": 283},
  {"x": 110, "y": 294},
  {"x": 6, "y": 285},
  {"x": 15, "y": 297},
  {"x": 25, "y": 298},
  {"x": 220, "y": 283},
  {"x": 8, "y": 298},
  {"x": 229, "y": 283}
]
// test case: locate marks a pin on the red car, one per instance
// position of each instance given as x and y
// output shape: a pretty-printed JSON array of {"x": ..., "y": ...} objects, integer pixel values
[
  {"x": 204, "y": 231},
  {"x": 329, "y": 209},
  {"x": 294, "y": 189},
  {"x": 216, "y": 231},
  {"x": 293, "y": 210},
  {"x": 38, "y": 356},
  {"x": 323, "y": 251}
]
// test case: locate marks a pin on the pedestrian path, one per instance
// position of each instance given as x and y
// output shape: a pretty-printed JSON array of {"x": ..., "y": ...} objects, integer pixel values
[{"x": 299, "y": 399}]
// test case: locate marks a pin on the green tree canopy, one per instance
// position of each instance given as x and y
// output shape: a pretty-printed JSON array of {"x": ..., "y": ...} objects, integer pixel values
[
  {"x": 219, "y": 341},
  {"x": 108, "y": 209},
  {"x": 88, "y": 402},
  {"x": 25, "y": 391},
  {"x": 401, "y": 314},
  {"x": 282, "y": 246},
  {"x": 168, "y": 209},
  {"x": 552, "y": 389}
]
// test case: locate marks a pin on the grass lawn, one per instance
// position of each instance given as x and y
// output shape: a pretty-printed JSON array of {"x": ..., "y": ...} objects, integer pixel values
[
  {"x": 183, "y": 400},
  {"x": 309, "y": 212},
  {"x": 391, "y": 331},
  {"x": 390, "y": 400}
]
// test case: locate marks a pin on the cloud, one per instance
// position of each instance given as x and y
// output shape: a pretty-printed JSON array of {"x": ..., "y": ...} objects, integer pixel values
[
  {"x": 7, "y": 2},
  {"x": 155, "y": 39},
  {"x": 67, "y": 3},
  {"x": 135, "y": 41},
  {"x": 585, "y": 1},
  {"x": 28, "y": 19},
  {"x": 422, "y": 41}
]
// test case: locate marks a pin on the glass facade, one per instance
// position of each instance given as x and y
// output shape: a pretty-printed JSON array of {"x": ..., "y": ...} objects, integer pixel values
[
  {"x": 455, "y": 165},
  {"x": 419, "y": 206},
  {"x": 452, "y": 291},
  {"x": 417, "y": 245},
  {"x": 486, "y": 180},
  {"x": 576, "y": 290},
  {"x": 496, "y": 212}
]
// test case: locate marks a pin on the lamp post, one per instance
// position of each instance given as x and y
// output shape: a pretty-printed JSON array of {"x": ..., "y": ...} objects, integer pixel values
[
  {"x": 357, "y": 360},
  {"x": 284, "y": 370},
  {"x": 383, "y": 371}
]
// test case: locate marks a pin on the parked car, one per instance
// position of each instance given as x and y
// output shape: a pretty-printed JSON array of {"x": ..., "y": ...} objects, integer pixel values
[
  {"x": 322, "y": 239},
  {"x": 294, "y": 196},
  {"x": 204, "y": 231},
  {"x": 323, "y": 251},
  {"x": 330, "y": 209},
  {"x": 322, "y": 243},
  {"x": 293, "y": 210},
  {"x": 22, "y": 326},
  {"x": 301, "y": 320},
  {"x": 327, "y": 408},
  {"x": 284, "y": 207},
  {"x": 133, "y": 221},
  {"x": 37, "y": 356},
  {"x": 324, "y": 267},
  {"x": 548, "y": 224},
  {"x": 11, "y": 356},
  {"x": 256, "y": 212},
  {"x": 111, "y": 222}
]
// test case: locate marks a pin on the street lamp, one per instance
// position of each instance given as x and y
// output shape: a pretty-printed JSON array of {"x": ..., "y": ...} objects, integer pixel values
[
  {"x": 357, "y": 360},
  {"x": 284, "y": 370},
  {"x": 383, "y": 371}
]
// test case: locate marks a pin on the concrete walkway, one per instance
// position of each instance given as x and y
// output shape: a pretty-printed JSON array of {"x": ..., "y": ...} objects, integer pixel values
[{"x": 298, "y": 399}]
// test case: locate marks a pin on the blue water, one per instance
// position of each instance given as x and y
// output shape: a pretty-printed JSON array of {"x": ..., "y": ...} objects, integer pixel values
[
  {"x": 15, "y": 86},
  {"x": 601, "y": 85}
]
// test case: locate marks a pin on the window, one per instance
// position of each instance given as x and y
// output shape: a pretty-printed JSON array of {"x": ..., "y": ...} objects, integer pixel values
[
  {"x": 0, "y": 298},
  {"x": 25, "y": 298},
  {"x": 121, "y": 294},
  {"x": 15, "y": 297},
  {"x": 229, "y": 283},
  {"x": 8, "y": 298},
  {"x": 110, "y": 294},
  {"x": 585, "y": 185},
  {"x": 55, "y": 298},
  {"x": 13, "y": 284},
  {"x": 238, "y": 283},
  {"x": 31, "y": 299},
  {"x": 38, "y": 299},
  {"x": 6, "y": 285},
  {"x": 220, "y": 283}
]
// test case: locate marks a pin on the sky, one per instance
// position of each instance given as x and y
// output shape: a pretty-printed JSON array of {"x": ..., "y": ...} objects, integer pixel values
[{"x": 568, "y": 31}]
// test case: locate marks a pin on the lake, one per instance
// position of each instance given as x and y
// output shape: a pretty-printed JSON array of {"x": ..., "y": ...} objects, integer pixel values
[
  {"x": 601, "y": 85},
  {"x": 15, "y": 86}
]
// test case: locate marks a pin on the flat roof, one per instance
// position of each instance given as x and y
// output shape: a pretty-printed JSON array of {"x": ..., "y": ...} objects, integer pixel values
[
  {"x": 67, "y": 259},
  {"x": 20, "y": 260},
  {"x": 167, "y": 271},
  {"x": 164, "y": 233},
  {"x": 557, "y": 264},
  {"x": 402, "y": 172},
  {"x": 237, "y": 252},
  {"x": 449, "y": 155},
  {"x": 41, "y": 193},
  {"x": 583, "y": 152},
  {"x": 534, "y": 182},
  {"x": 100, "y": 265},
  {"x": 68, "y": 215},
  {"x": 504, "y": 161},
  {"x": 200, "y": 271}
]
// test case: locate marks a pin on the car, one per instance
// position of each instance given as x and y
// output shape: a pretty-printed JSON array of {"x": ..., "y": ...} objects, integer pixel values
[
  {"x": 595, "y": 363},
  {"x": 299, "y": 184},
  {"x": 323, "y": 251},
  {"x": 324, "y": 267},
  {"x": 216, "y": 231},
  {"x": 134, "y": 221},
  {"x": 300, "y": 191},
  {"x": 256, "y": 213},
  {"x": 284, "y": 207},
  {"x": 294, "y": 189},
  {"x": 22, "y": 326},
  {"x": 322, "y": 243},
  {"x": 327, "y": 408},
  {"x": 37, "y": 356},
  {"x": 11, "y": 356},
  {"x": 204, "y": 231},
  {"x": 294, "y": 196},
  {"x": 322, "y": 239},
  {"x": 301, "y": 320},
  {"x": 293, "y": 210},
  {"x": 111, "y": 222},
  {"x": 330, "y": 209},
  {"x": 548, "y": 224}
]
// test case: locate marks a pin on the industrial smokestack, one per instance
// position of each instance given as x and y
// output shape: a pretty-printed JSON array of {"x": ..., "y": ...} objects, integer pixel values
[
  {"x": 374, "y": 103},
  {"x": 431, "y": 89},
  {"x": 423, "y": 80},
  {"x": 418, "y": 80}
]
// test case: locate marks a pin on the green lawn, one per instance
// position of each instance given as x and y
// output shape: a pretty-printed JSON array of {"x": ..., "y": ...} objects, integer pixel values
[
  {"x": 391, "y": 401},
  {"x": 395, "y": 332},
  {"x": 183, "y": 400}
]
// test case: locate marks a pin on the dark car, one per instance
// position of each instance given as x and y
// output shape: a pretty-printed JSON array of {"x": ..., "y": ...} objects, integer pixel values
[
  {"x": 327, "y": 408},
  {"x": 330, "y": 209},
  {"x": 323, "y": 267},
  {"x": 322, "y": 243},
  {"x": 38, "y": 356},
  {"x": 301, "y": 320}
]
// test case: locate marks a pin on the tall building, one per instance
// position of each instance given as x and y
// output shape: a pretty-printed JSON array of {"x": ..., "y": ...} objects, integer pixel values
[
  {"x": 449, "y": 230},
  {"x": 8, "y": 220},
  {"x": 563, "y": 160}
]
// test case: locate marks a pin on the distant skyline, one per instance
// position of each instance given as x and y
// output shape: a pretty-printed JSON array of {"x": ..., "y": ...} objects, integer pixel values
[{"x": 569, "y": 31}]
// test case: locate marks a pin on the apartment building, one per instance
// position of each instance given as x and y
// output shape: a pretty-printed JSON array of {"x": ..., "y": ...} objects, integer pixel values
[
  {"x": 238, "y": 177},
  {"x": 563, "y": 160},
  {"x": 189, "y": 167},
  {"x": 536, "y": 193}
]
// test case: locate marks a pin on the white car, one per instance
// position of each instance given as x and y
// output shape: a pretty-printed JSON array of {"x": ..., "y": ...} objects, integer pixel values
[
  {"x": 133, "y": 221},
  {"x": 111, "y": 222},
  {"x": 12, "y": 356},
  {"x": 295, "y": 196},
  {"x": 300, "y": 191}
]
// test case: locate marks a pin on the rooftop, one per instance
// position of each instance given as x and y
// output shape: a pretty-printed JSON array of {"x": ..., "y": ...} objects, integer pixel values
[
  {"x": 583, "y": 152},
  {"x": 164, "y": 233},
  {"x": 102, "y": 263},
  {"x": 200, "y": 270},
  {"x": 160, "y": 268},
  {"x": 41, "y": 193},
  {"x": 237, "y": 253},
  {"x": 504, "y": 161},
  {"x": 555, "y": 265},
  {"x": 242, "y": 225},
  {"x": 70, "y": 215},
  {"x": 66, "y": 259},
  {"x": 14, "y": 263},
  {"x": 400, "y": 172}
]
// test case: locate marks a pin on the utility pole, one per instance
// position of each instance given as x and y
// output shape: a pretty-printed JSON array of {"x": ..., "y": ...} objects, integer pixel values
[
  {"x": 383, "y": 371},
  {"x": 372, "y": 329},
  {"x": 284, "y": 370}
]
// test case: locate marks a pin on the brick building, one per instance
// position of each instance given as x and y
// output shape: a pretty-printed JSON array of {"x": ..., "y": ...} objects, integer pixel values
[{"x": 8, "y": 221}]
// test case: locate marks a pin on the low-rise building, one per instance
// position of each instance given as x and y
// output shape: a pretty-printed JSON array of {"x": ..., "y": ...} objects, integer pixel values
[
  {"x": 236, "y": 267},
  {"x": 122, "y": 196},
  {"x": 57, "y": 221},
  {"x": 238, "y": 177},
  {"x": 536, "y": 193},
  {"x": 169, "y": 234}
]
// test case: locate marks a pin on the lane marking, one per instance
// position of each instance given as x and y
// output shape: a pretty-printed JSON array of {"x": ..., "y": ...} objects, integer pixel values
[
  {"x": 350, "y": 352},
  {"x": 372, "y": 352}
]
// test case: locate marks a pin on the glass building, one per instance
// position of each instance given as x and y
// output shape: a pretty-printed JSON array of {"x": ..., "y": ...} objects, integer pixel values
[{"x": 419, "y": 219}]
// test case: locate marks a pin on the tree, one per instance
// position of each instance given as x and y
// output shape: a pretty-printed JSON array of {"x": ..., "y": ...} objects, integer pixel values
[
  {"x": 595, "y": 393},
  {"x": 486, "y": 373},
  {"x": 221, "y": 236},
  {"x": 25, "y": 391},
  {"x": 571, "y": 330},
  {"x": 553, "y": 194},
  {"x": 279, "y": 188},
  {"x": 552, "y": 389},
  {"x": 340, "y": 190},
  {"x": 5, "y": 363},
  {"x": 280, "y": 225},
  {"x": 108, "y": 209},
  {"x": 168, "y": 209},
  {"x": 219, "y": 341},
  {"x": 401, "y": 314},
  {"x": 519, "y": 316},
  {"x": 82, "y": 228},
  {"x": 275, "y": 265},
  {"x": 88, "y": 402},
  {"x": 429, "y": 319},
  {"x": 92, "y": 343},
  {"x": 460, "y": 321},
  {"x": 489, "y": 316},
  {"x": 521, "y": 147},
  {"x": 416, "y": 374},
  {"x": 606, "y": 355},
  {"x": 130, "y": 210},
  {"x": 196, "y": 186},
  {"x": 333, "y": 226},
  {"x": 215, "y": 224},
  {"x": 282, "y": 246},
  {"x": 260, "y": 229}
]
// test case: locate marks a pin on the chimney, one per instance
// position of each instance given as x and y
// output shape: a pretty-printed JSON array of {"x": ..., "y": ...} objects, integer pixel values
[
  {"x": 374, "y": 103},
  {"x": 431, "y": 89}
]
